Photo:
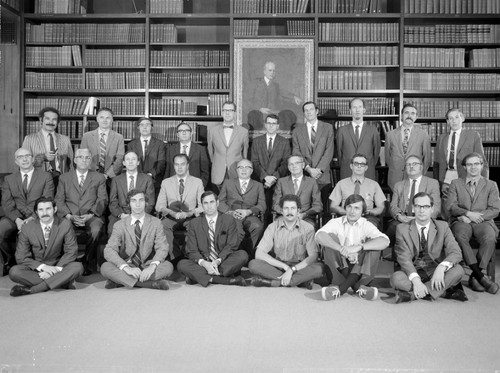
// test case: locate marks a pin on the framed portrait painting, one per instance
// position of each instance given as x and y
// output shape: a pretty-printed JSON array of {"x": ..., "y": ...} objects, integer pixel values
[{"x": 272, "y": 76}]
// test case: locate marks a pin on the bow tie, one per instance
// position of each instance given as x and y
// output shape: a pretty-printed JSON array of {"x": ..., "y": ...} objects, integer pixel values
[{"x": 231, "y": 127}]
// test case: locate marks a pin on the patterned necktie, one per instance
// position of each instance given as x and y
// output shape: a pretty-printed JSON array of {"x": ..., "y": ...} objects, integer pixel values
[
  {"x": 313, "y": 135},
  {"x": 131, "y": 185},
  {"x": 181, "y": 187},
  {"x": 244, "y": 187},
  {"x": 357, "y": 133},
  {"x": 423, "y": 242},
  {"x": 295, "y": 186},
  {"x": 25, "y": 185},
  {"x": 406, "y": 139},
  {"x": 102, "y": 152},
  {"x": 211, "y": 236},
  {"x": 52, "y": 150},
  {"x": 270, "y": 147},
  {"x": 46, "y": 235},
  {"x": 184, "y": 149},
  {"x": 409, "y": 205},
  {"x": 472, "y": 186},
  {"x": 145, "y": 149},
  {"x": 451, "y": 160},
  {"x": 357, "y": 184},
  {"x": 136, "y": 258},
  {"x": 82, "y": 180}
]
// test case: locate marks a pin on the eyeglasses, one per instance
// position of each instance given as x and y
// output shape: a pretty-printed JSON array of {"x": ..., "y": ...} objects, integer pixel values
[
  {"x": 245, "y": 167},
  {"x": 83, "y": 157},
  {"x": 272, "y": 124},
  {"x": 183, "y": 131},
  {"x": 295, "y": 163},
  {"x": 357, "y": 164},
  {"x": 476, "y": 164},
  {"x": 414, "y": 164},
  {"x": 24, "y": 156},
  {"x": 227, "y": 110},
  {"x": 422, "y": 207}
]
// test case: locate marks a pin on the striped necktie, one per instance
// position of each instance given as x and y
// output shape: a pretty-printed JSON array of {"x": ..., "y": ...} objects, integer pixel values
[
  {"x": 145, "y": 149},
  {"x": 25, "y": 185},
  {"x": 82, "y": 180},
  {"x": 136, "y": 258},
  {"x": 244, "y": 187},
  {"x": 451, "y": 159},
  {"x": 181, "y": 187},
  {"x": 295, "y": 186},
  {"x": 409, "y": 205},
  {"x": 211, "y": 236},
  {"x": 313, "y": 135},
  {"x": 131, "y": 185},
  {"x": 102, "y": 152}
]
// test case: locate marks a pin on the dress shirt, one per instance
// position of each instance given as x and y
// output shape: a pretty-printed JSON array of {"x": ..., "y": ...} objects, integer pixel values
[
  {"x": 417, "y": 185},
  {"x": 476, "y": 179},
  {"x": 41, "y": 266},
  {"x": 244, "y": 181},
  {"x": 273, "y": 137},
  {"x": 148, "y": 139},
  {"x": 188, "y": 147},
  {"x": 30, "y": 175},
  {"x": 46, "y": 138},
  {"x": 299, "y": 180},
  {"x": 135, "y": 178},
  {"x": 141, "y": 225},
  {"x": 79, "y": 174},
  {"x": 310, "y": 126},
  {"x": 360, "y": 128},
  {"x": 267, "y": 80},
  {"x": 369, "y": 189},
  {"x": 448, "y": 148},
  {"x": 403, "y": 133},
  {"x": 228, "y": 132}
]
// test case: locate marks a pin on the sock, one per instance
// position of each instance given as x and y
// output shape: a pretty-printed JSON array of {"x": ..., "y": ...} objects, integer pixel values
[
  {"x": 351, "y": 279},
  {"x": 275, "y": 283},
  {"x": 39, "y": 288},
  {"x": 476, "y": 271}
]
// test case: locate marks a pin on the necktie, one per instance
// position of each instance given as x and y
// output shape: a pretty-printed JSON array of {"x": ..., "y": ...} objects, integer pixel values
[
  {"x": 313, "y": 135},
  {"x": 82, "y": 180},
  {"x": 229, "y": 127},
  {"x": 181, "y": 187},
  {"x": 25, "y": 185},
  {"x": 451, "y": 160},
  {"x": 357, "y": 133},
  {"x": 145, "y": 148},
  {"x": 211, "y": 236},
  {"x": 244, "y": 187},
  {"x": 472, "y": 185},
  {"x": 270, "y": 146},
  {"x": 409, "y": 205},
  {"x": 295, "y": 186},
  {"x": 423, "y": 242},
  {"x": 184, "y": 149},
  {"x": 406, "y": 139},
  {"x": 356, "y": 186},
  {"x": 46, "y": 235},
  {"x": 102, "y": 152},
  {"x": 52, "y": 150},
  {"x": 136, "y": 258},
  {"x": 131, "y": 185}
]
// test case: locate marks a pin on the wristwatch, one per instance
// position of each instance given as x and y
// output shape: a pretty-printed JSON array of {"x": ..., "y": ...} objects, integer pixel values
[{"x": 294, "y": 269}]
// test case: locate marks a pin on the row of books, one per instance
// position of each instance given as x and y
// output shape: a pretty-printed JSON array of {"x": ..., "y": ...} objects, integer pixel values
[
  {"x": 172, "y": 106},
  {"x": 340, "y": 106},
  {"x": 190, "y": 58},
  {"x": 60, "y": 6},
  {"x": 115, "y": 57},
  {"x": 105, "y": 33},
  {"x": 484, "y": 57},
  {"x": 66, "y": 106},
  {"x": 270, "y": 6},
  {"x": 66, "y": 55},
  {"x": 166, "y": 6},
  {"x": 189, "y": 80},
  {"x": 53, "y": 81},
  {"x": 452, "y": 81},
  {"x": 366, "y": 55},
  {"x": 163, "y": 33},
  {"x": 492, "y": 155},
  {"x": 385, "y": 32},
  {"x": 348, "y": 6},
  {"x": 382, "y": 126},
  {"x": 452, "y": 6},
  {"x": 434, "y": 57},
  {"x": 115, "y": 80},
  {"x": 487, "y": 131},
  {"x": 346, "y": 80},
  {"x": 296, "y": 27},
  {"x": 471, "y": 109},
  {"x": 122, "y": 105},
  {"x": 246, "y": 27},
  {"x": 452, "y": 34},
  {"x": 71, "y": 128},
  {"x": 215, "y": 102}
]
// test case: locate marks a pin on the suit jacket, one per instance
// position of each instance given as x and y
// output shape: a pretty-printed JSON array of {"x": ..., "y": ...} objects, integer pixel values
[
  {"x": 469, "y": 142},
  {"x": 440, "y": 242},
  {"x": 321, "y": 155},
  {"x": 419, "y": 144},
  {"x": 122, "y": 243},
  {"x": 61, "y": 250},
  {"x": 230, "y": 197},
  {"x": 92, "y": 198},
  {"x": 274, "y": 165},
  {"x": 35, "y": 143},
  {"x": 348, "y": 145},
  {"x": 169, "y": 193},
  {"x": 198, "y": 242},
  {"x": 225, "y": 156},
  {"x": 486, "y": 200},
  {"x": 199, "y": 165},
  {"x": 402, "y": 190},
  {"x": 310, "y": 197},
  {"x": 154, "y": 161},
  {"x": 119, "y": 189},
  {"x": 15, "y": 204},
  {"x": 115, "y": 150}
]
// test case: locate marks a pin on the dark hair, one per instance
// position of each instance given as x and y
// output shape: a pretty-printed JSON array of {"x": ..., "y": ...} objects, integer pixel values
[
  {"x": 105, "y": 109},
  {"x": 359, "y": 155},
  {"x": 452, "y": 110},
  {"x": 354, "y": 99},
  {"x": 308, "y": 103},
  {"x": 471, "y": 155},
  {"x": 290, "y": 198},
  {"x": 42, "y": 112},
  {"x": 138, "y": 123},
  {"x": 355, "y": 198},
  {"x": 133, "y": 192},
  {"x": 131, "y": 151},
  {"x": 43, "y": 199},
  {"x": 209, "y": 193},
  {"x": 420, "y": 195},
  {"x": 229, "y": 103},
  {"x": 409, "y": 104},
  {"x": 180, "y": 124},
  {"x": 272, "y": 116},
  {"x": 181, "y": 155}
]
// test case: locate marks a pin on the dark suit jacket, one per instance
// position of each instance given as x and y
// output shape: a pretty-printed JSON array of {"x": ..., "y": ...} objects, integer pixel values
[
  {"x": 486, "y": 200},
  {"x": 440, "y": 242},
  {"x": 15, "y": 204},
  {"x": 230, "y": 197},
  {"x": 321, "y": 155},
  {"x": 402, "y": 190},
  {"x": 62, "y": 247},
  {"x": 115, "y": 150},
  {"x": 198, "y": 242},
  {"x": 348, "y": 145},
  {"x": 92, "y": 198},
  {"x": 469, "y": 142},
  {"x": 274, "y": 165},
  {"x": 119, "y": 189},
  {"x": 310, "y": 197},
  {"x": 199, "y": 166},
  {"x": 154, "y": 161}
]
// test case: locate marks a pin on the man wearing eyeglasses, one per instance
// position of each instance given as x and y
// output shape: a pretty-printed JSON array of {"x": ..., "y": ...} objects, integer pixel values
[
  {"x": 357, "y": 183},
  {"x": 199, "y": 165},
  {"x": 20, "y": 190},
  {"x": 428, "y": 255},
  {"x": 82, "y": 199},
  {"x": 473, "y": 203},
  {"x": 243, "y": 199}
]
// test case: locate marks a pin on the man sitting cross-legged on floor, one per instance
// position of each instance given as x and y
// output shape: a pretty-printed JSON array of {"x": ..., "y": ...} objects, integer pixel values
[
  {"x": 137, "y": 249},
  {"x": 352, "y": 250},
  {"x": 294, "y": 253}
]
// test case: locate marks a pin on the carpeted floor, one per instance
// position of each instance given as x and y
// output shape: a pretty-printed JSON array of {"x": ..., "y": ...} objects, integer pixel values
[{"x": 232, "y": 329}]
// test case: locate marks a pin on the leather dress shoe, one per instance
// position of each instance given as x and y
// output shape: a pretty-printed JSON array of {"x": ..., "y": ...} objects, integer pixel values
[
  {"x": 404, "y": 296},
  {"x": 475, "y": 285},
  {"x": 490, "y": 286},
  {"x": 189, "y": 281},
  {"x": 238, "y": 280},
  {"x": 160, "y": 285},
  {"x": 307, "y": 285},
  {"x": 260, "y": 282},
  {"x": 19, "y": 290},
  {"x": 111, "y": 285},
  {"x": 456, "y": 294}
]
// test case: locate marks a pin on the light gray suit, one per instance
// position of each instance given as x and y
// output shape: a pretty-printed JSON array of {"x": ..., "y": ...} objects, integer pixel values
[
  {"x": 35, "y": 143},
  {"x": 115, "y": 151}
]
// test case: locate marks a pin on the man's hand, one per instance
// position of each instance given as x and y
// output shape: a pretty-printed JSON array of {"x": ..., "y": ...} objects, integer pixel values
[
  {"x": 211, "y": 267},
  {"x": 124, "y": 216},
  {"x": 85, "y": 218},
  {"x": 464, "y": 219},
  {"x": 49, "y": 156},
  {"x": 147, "y": 273},
  {"x": 315, "y": 172},
  {"x": 242, "y": 213},
  {"x": 134, "y": 272},
  {"x": 48, "y": 271},
  {"x": 286, "y": 277},
  {"x": 405, "y": 219},
  {"x": 269, "y": 181},
  {"x": 19, "y": 223},
  {"x": 475, "y": 217},
  {"x": 437, "y": 280},
  {"x": 419, "y": 289},
  {"x": 181, "y": 215}
]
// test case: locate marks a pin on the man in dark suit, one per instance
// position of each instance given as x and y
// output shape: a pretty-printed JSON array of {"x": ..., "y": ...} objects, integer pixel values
[
  {"x": 358, "y": 138},
  {"x": 20, "y": 190},
  {"x": 151, "y": 153},
  {"x": 243, "y": 199},
  {"x": 137, "y": 249},
  {"x": 125, "y": 182},
  {"x": 105, "y": 145},
  {"x": 301, "y": 185},
  {"x": 212, "y": 248},
  {"x": 314, "y": 141},
  {"x": 46, "y": 253},
  {"x": 81, "y": 198},
  {"x": 199, "y": 166},
  {"x": 428, "y": 255},
  {"x": 269, "y": 157},
  {"x": 473, "y": 203}
]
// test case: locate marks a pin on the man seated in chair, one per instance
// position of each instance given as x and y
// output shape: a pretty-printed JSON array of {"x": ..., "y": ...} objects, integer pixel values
[
  {"x": 46, "y": 253},
  {"x": 244, "y": 199},
  {"x": 301, "y": 185},
  {"x": 352, "y": 248},
  {"x": 287, "y": 254},
  {"x": 179, "y": 201},
  {"x": 212, "y": 248},
  {"x": 473, "y": 202},
  {"x": 137, "y": 249},
  {"x": 428, "y": 255},
  {"x": 367, "y": 188}
]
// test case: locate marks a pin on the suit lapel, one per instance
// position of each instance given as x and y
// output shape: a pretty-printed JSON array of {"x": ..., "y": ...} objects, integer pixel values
[
  {"x": 351, "y": 133},
  {"x": 307, "y": 141},
  {"x": 415, "y": 237},
  {"x": 431, "y": 237}
]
